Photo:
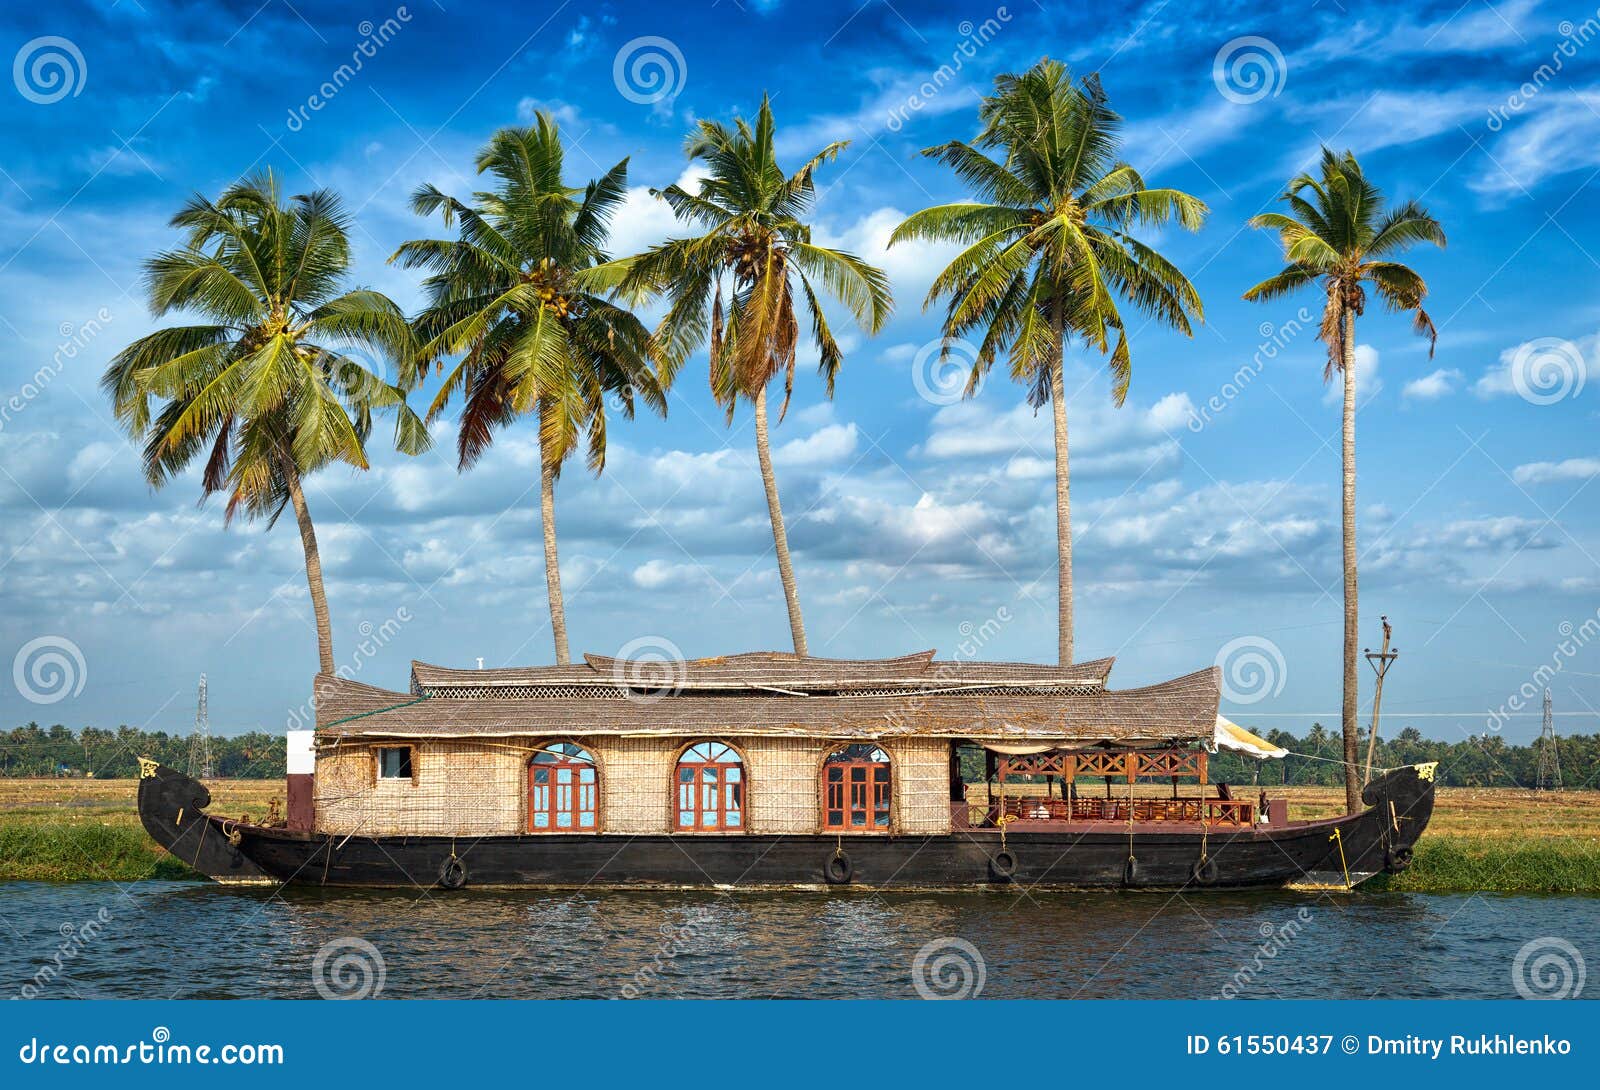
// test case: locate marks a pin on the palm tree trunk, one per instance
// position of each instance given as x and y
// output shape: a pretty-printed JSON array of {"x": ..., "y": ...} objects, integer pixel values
[
  {"x": 319, "y": 597},
  {"x": 1352, "y": 782},
  {"x": 1058, "y": 408},
  {"x": 780, "y": 536},
  {"x": 552, "y": 564}
]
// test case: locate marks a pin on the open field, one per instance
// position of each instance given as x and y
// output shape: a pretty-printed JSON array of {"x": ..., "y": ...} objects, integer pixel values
[{"x": 1480, "y": 838}]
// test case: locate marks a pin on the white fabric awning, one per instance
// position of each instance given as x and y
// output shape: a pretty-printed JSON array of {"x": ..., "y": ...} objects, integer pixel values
[{"x": 1230, "y": 735}]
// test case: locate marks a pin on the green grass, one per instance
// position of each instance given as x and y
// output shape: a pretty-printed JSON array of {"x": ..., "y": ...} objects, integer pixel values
[
  {"x": 1455, "y": 864},
  {"x": 62, "y": 852}
]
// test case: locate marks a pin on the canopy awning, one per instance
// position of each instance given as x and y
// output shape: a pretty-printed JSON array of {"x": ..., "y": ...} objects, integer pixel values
[{"x": 1230, "y": 735}]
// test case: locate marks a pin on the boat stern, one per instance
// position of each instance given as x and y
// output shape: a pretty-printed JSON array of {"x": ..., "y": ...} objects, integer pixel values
[{"x": 1403, "y": 801}]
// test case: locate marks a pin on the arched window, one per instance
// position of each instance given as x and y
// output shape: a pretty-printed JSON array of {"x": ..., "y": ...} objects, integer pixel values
[
  {"x": 562, "y": 790},
  {"x": 709, "y": 789},
  {"x": 856, "y": 789}
]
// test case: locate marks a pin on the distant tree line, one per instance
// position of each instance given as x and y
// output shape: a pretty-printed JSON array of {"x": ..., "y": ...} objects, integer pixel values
[
  {"x": 1477, "y": 761},
  {"x": 114, "y": 754},
  {"x": 1315, "y": 760}
]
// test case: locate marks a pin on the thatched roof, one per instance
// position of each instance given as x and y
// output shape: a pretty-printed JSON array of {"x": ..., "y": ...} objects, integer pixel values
[
  {"x": 758, "y": 671},
  {"x": 775, "y": 694}
]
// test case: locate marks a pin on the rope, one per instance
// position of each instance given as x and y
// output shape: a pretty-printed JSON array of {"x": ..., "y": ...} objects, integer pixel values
[
  {"x": 374, "y": 711},
  {"x": 1130, "y": 821},
  {"x": 1338, "y": 838},
  {"x": 1337, "y": 760}
]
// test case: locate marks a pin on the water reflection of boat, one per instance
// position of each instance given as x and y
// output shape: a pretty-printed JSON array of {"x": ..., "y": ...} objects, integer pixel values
[{"x": 769, "y": 770}]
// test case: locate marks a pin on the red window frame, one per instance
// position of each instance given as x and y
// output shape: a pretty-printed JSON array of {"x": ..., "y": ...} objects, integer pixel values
[
  {"x": 857, "y": 790},
  {"x": 708, "y": 789},
  {"x": 563, "y": 791}
]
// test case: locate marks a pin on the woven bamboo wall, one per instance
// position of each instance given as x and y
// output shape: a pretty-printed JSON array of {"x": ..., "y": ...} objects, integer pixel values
[
  {"x": 636, "y": 785},
  {"x": 459, "y": 789},
  {"x": 782, "y": 783},
  {"x": 465, "y": 788}
]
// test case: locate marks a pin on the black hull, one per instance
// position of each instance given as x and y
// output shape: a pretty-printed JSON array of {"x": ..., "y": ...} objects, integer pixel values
[{"x": 1379, "y": 839}]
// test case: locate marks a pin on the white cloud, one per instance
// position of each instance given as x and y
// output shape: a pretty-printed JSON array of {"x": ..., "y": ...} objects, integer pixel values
[
  {"x": 642, "y": 221},
  {"x": 910, "y": 266},
  {"x": 1571, "y": 469},
  {"x": 825, "y": 446},
  {"x": 1432, "y": 387},
  {"x": 1559, "y": 132}
]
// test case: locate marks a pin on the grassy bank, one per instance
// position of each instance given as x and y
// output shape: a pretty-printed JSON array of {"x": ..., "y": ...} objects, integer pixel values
[
  {"x": 88, "y": 830},
  {"x": 1480, "y": 839}
]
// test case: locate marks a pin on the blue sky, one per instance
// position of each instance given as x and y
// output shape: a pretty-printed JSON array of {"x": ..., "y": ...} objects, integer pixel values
[{"x": 1206, "y": 509}]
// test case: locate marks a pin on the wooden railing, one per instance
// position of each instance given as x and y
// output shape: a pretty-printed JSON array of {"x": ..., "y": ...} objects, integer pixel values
[{"x": 1228, "y": 812}]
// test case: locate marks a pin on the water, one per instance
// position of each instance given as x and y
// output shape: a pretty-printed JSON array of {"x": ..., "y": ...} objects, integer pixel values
[{"x": 185, "y": 940}]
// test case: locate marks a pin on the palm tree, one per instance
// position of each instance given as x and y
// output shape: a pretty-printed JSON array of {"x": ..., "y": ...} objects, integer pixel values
[
  {"x": 1338, "y": 232},
  {"x": 1048, "y": 252},
  {"x": 515, "y": 294},
  {"x": 756, "y": 246},
  {"x": 276, "y": 386}
]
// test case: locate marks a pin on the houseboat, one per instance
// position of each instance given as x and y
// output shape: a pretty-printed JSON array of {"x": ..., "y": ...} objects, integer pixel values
[{"x": 770, "y": 770}]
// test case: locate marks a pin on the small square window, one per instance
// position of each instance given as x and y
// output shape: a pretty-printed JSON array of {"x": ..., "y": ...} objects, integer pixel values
[{"x": 394, "y": 763}]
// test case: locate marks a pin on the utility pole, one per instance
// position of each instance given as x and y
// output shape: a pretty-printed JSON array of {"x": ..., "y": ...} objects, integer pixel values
[
  {"x": 1380, "y": 661},
  {"x": 1549, "y": 774},
  {"x": 200, "y": 740}
]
